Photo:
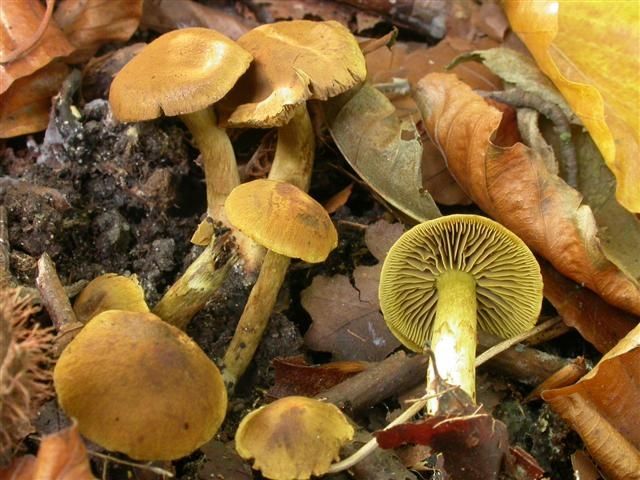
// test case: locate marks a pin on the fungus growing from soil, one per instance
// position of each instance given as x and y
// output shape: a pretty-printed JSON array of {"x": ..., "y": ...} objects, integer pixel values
[
  {"x": 444, "y": 276},
  {"x": 140, "y": 386},
  {"x": 294, "y": 61},
  {"x": 183, "y": 72},
  {"x": 290, "y": 224},
  {"x": 293, "y": 437},
  {"x": 109, "y": 292}
]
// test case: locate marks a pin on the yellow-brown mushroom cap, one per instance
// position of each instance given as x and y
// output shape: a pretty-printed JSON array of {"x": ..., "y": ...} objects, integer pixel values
[
  {"x": 180, "y": 72},
  {"x": 109, "y": 292},
  {"x": 507, "y": 277},
  {"x": 294, "y": 61},
  {"x": 140, "y": 386},
  {"x": 282, "y": 218},
  {"x": 293, "y": 438}
]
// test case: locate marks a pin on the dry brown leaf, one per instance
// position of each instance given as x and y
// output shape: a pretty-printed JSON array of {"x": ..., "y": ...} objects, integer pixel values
[
  {"x": 165, "y": 15},
  {"x": 513, "y": 186},
  {"x": 604, "y": 408},
  {"x": 89, "y": 24},
  {"x": 21, "y": 468},
  {"x": 19, "y": 22},
  {"x": 24, "y": 108},
  {"x": 380, "y": 236},
  {"x": 599, "y": 323},
  {"x": 338, "y": 200}
]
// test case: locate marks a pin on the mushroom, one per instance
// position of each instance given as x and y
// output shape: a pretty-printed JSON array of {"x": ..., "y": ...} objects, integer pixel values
[
  {"x": 293, "y": 437},
  {"x": 290, "y": 224},
  {"x": 109, "y": 292},
  {"x": 294, "y": 61},
  {"x": 182, "y": 73},
  {"x": 444, "y": 276},
  {"x": 140, "y": 386}
]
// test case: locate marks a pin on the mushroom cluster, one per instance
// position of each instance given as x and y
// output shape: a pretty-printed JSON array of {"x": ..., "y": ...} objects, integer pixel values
[{"x": 445, "y": 277}]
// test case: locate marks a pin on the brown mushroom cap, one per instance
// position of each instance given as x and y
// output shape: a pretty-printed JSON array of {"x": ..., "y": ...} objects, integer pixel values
[
  {"x": 180, "y": 72},
  {"x": 294, "y": 61},
  {"x": 507, "y": 277},
  {"x": 293, "y": 437},
  {"x": 282, "y": 218},
  {"x": 140, "y": 386},
  {"x": 109, "y": 292}
]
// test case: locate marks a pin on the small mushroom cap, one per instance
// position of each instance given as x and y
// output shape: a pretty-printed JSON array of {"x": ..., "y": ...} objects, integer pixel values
[
  {"x": 294, "y": 61},
  {"x": 109, "y": 292},
  {"x": 282, "y": 218},
  {"x": 507, "y": 276},
  {"x": 293, "y": 438},
  {"x": 180, "y": 72},
  {"x": 140, "y": 386}
]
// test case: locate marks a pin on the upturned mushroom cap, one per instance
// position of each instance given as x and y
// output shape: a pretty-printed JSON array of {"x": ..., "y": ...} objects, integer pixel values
[
  {"x": 180, "y": 72},
  {"x": 294, "y": 61},
  {"x": 293, "y": 438},
  {"x": 507, "y": 277},
  {"x": 109, "y": 292},
  {"x": 139, "y": 386},
  {"x": 282, "y": 218}
]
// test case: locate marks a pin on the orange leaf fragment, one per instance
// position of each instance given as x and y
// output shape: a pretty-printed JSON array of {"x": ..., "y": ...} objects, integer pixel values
[
  {"x": 513, "y": 185},
  {"x": 90, "y": 23},
  {"x": 63, "y": 456},
  {"x": 24, "y": 108},
  {"x": 591, "y": 51},
  {"x": 604, "y": 408}
]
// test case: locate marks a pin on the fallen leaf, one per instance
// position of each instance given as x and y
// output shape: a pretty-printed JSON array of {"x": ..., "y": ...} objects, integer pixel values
[
  {"x": 338, "y": 200},
  {"x": 599, "y": 323},
  {"x": 25, "y": 106},
  {"x": 473, "y": 446},
  {"x": 19, "y": 22},
  {"x": 513, "y": 186},
  {"x": 591, "y": 51},
  {"x": 63, "y": 456},
  {"x": 583, "y": 467},
  {"x": 294, "y": 376},
  {"x": 522, "y": 466},
  {"x": 603, "y": 408},
  {"x": 344, "y": 323},
  {"x": 88, "y": 24},
  {"x": 383, "y": 149},
  {"x": 21, "y": 468},
  {"x": 380, "y": 236}
]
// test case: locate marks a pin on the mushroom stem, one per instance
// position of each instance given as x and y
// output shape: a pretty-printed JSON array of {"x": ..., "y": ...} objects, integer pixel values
[
  {"x": 194, "y": 288},
  {"x": 254, "y": 318},
  {"x": 295, "y": 151},
  {"x": 453, "y": 340},
  {"x": 221, "y": 176}
]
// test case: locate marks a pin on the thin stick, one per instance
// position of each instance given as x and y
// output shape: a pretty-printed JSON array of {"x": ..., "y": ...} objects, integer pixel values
[
  {"x": 502, "y": 346},
  {"x": 372, "y": 444},
  {"x": 4, "y": 244},
  {"x": 141, "y": 466},
  {"x": 53, "y": 295}
]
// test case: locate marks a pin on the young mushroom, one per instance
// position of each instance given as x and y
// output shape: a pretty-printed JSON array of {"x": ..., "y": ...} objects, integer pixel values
[
  {"x": 290, "y": 224},
  {"x": 445, "y": 276},
  {"x": 294, "y": 61},
  {"x": 183, "y": 73},
  {"x": 293, "y": 437},
  {"x": 140, "y": 386}
]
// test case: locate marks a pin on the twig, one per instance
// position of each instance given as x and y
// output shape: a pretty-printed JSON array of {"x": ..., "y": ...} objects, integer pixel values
[
  {"x": 4, "y": 245},
  {"x": 502, "y": 346},
  {"x": 52, "y": 293}
]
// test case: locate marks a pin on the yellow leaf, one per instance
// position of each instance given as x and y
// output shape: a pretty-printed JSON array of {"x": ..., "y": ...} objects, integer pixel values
[{"x": 591, "y": 52}]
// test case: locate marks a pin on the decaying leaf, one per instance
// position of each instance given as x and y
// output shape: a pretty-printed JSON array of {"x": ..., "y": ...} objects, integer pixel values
[
  {"x": 473, "y": 446},
  {"x": 603, "y": 408},
  {"x": 21, "y": 23},
  {"x": 513, "y": 186},
  {"x": 383, "y": 149},
  {"x": 347, "y": 319},
  {"x": 294, "y": 376},
  {"x": 88, "y": 24},
  {"x": 25, "y": 106},
  {"x": 591, "y": 51},
  {"x": 63, "y": 456},
  {"x": 599, "y": 323}
]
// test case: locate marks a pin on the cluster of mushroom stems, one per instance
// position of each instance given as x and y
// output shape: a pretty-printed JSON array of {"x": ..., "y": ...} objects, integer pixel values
[{"x": 438, "y": 280}]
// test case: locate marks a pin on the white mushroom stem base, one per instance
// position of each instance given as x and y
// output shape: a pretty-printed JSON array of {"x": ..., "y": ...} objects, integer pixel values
[
  {"x": 221, "y": 176},
  {"x": 254, "y": 318},
  {"x": 453, "y": 340}
]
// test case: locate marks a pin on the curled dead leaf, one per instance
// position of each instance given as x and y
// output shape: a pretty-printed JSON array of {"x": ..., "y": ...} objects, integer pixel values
[
  {"x": 513, "y": 186},
  {"x": 604, "y": 408}
]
